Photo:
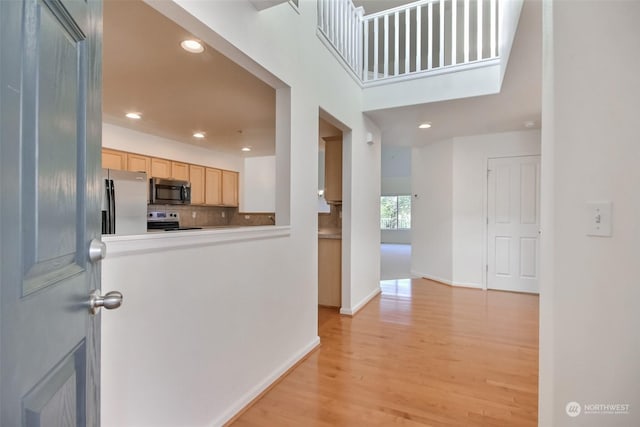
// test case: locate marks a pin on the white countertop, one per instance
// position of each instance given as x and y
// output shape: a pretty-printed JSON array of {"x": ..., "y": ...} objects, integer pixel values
[{"x": 155, "y": 241}]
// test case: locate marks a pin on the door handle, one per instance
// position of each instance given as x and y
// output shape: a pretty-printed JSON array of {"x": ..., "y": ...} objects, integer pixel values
[
  {"x": 97, "y": 250},
  {"x": 110, "y": 301}
]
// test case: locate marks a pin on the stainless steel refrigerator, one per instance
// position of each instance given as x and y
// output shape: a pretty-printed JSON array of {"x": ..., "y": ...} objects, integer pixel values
[{"x": 124, "y": 202}]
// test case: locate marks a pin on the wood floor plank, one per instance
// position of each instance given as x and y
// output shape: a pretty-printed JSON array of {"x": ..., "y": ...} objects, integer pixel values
[{"x": 420, "y": 354}]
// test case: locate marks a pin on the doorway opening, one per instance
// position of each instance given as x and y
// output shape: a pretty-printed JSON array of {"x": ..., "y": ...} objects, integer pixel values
[
  {"x": 395, "y": 213},
  {"x": 329, "y": 216}
]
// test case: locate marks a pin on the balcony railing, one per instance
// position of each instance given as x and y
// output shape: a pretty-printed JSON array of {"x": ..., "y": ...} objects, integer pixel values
[{"x": 424, "y": 36}]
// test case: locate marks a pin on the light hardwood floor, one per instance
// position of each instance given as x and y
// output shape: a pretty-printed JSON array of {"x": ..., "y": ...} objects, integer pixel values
[{"x": 420, "y": 354}]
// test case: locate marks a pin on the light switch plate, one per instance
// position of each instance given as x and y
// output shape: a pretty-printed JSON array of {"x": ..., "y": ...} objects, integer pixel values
[{"x": 599, "y": 219}]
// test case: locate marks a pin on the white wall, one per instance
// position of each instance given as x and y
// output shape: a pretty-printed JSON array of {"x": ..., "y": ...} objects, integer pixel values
[
  {"x": 470, "y": 156},
  {"x": 590, "y": 292},
  {"x": 431, "y": 211},
  {"x": 119, "y": 138},
  {"x": 453, "y": 218},
  {"x": 262, "y": 293},
  {"x": 258, "y": 185}
]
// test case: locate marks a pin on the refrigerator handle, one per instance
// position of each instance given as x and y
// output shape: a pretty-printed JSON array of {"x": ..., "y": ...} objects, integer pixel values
[
  {"x": 113, "y": 206},
  {"x": 107, "y": 191}
]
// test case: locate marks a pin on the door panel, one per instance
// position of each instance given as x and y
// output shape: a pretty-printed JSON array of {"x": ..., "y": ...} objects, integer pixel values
[
  {"x": 51, "y": 199},
  {"x": 50, "y": 134},
  {"x": 513, "y": 222}
]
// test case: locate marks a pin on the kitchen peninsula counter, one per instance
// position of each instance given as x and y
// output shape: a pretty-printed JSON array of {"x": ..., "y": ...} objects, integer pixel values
[
  {"x": 155, "y": 241},
  {"x": 329, "y": 233}
]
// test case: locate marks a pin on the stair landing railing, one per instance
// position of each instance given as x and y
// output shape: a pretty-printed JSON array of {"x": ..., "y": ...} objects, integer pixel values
[{"x": 425, "y": 36}]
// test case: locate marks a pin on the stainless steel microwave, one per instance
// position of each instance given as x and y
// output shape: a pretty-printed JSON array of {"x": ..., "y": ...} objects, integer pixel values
[{"x": 169, "y": 192}]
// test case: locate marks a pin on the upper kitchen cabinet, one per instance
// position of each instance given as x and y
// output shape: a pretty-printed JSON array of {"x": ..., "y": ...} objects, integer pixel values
[
  {"x": 196, "y": 177},
  {"x": 333, "y": 169},
  {"x": 160, "y": 168},
  {"x": 213, "y": 186},
  {"x": 180, "y": 171},
  {"x": 139, "y": 163},
  {"x": 230, "y": 188},
  {"x": 112, "y": 159}
]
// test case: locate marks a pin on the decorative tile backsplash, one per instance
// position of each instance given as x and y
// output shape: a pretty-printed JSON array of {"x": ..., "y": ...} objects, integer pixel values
[
  {"x": 201, "y": 216},
  {"x": 332, "y": 219}
]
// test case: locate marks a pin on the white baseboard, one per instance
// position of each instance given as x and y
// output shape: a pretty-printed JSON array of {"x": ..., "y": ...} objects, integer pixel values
[
  {"x": 353, "y": 310},
  {"x": 432, "y": 277},
  {"x": 263, "y": 385},
  {"x": 467, "y": 285},
  {"x": 448, "y": 281}
]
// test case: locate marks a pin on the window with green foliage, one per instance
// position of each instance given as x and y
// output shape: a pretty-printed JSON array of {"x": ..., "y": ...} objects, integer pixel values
[{"x": 395, "y": 212}]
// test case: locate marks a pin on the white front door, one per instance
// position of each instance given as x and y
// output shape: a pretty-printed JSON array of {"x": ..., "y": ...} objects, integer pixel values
[{"x": 513, "y": 223}]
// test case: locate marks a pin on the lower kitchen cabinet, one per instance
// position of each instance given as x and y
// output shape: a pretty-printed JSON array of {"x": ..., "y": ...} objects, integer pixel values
[{"x": 330, "y": 272}]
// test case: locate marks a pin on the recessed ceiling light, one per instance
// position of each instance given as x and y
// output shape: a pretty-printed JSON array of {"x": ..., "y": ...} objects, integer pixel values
[
  {"x": 193, "y": 46},
  {"x": 198, "y": 135},
  {"x": 246, "y": 148},
  {"x": 135, "y": 116},
  {"x": 426, "y": 125}
]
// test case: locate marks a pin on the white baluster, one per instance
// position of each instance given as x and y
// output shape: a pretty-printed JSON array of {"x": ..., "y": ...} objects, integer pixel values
[
  {"x": 454, "y": 32},
  {"x": 407, "y": 40},
  {"x": 479, "y": 36},
  {"x": 430, "y": 39},
  {"x": 396, "y": 45},
  {"x": 386, "y": 46},
  {"x": 365, "y": 68},
  {"x": 466, "y": 31},
  {"x": 441, "y": 60},
  {"x": 418, "y": 38},
  {"x": 359, "y": 42},
  {"x": 493, "y": 28},
  {"x": 375, "y": 48}
]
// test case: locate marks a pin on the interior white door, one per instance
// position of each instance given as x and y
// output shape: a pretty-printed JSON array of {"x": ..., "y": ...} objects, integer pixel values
[{"x": 513, "y": 221}]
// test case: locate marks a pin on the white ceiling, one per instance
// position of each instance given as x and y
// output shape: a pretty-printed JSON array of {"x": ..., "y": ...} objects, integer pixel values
[
  {"x": 519, "y": 100},
  {"x": 179, "y": 93},
  {"x": 144, "y": 69}
]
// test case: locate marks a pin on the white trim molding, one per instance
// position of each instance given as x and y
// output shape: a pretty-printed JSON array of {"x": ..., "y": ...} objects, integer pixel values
[
  {"x": 447, "y": 281},
  {"x": 245, "y": 400},
  {"x": 353, "y": 310}
]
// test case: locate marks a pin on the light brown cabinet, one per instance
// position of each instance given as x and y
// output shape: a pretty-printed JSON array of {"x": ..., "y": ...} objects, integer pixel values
[
  {"x": 230, "y": 188},
  {"x": 139, "y": 163},
  {"x": 180, "y": 171},
  {"x": 160, "y": 168},
  {"x": 113, "y": 159},
  {"x": 213, "y": 186},
  {"x": 196, "y": 177},
  {"x": 209, "y": 186},
  {"x": 333, "y": 169},
  {"x": 330, "y": 272}
]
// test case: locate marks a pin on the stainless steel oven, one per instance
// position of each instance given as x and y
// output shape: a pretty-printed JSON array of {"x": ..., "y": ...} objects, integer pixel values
[{"x": 169, "y": 192}]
